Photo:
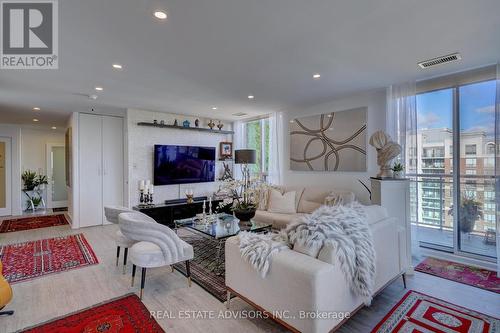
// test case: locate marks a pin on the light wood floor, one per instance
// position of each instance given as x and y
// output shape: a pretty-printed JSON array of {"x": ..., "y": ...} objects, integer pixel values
[{"x": 55, "y": 295}]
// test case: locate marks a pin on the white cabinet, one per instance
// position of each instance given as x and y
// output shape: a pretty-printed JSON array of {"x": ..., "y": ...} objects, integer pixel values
[
  {"x": 101, "y": 171},
  {"x": 394, "y": 195}
]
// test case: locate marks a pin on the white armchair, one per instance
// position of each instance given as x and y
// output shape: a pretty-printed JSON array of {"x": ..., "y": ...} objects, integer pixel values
[
  {"x": 156, "y": 245},
  {"x": 111, "y": 213}
]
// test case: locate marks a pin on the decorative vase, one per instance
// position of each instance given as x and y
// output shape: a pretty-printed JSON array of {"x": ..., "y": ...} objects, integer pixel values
[
  {"x": 186, "y": 123},
  {"x": 211, "y": 124},
  {"x": 197, "y": 123},
  {"x": 244, "y": 215},
  {"x": 397, "y": 174},
  {"x": 220, "y": 125}
]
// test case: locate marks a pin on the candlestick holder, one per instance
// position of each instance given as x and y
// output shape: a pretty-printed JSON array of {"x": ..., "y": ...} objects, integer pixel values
[{"x": 143, "y": 199}]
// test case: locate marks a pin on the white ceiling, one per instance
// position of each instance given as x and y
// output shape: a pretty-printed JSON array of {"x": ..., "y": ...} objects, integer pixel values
[{"x": 216, "y": 52}]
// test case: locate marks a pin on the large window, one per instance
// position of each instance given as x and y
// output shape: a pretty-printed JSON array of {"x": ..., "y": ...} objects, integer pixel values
[
  {"x": 257, "y": 137},
  {"x": 455, "y": 128}
]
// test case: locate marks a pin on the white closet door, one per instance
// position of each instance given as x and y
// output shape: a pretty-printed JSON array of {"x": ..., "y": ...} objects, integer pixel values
[
  {"x": 90, "y": 147},
  {"x": 112, "y": 156}
]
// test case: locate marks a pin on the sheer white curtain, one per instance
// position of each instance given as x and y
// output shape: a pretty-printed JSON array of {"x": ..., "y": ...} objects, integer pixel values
[
  {"x": 497, "y": 165},
  {"x": 401, "y": 119},
  {"x": 239, "y": 142},
  {"x": 401, "y": 125},
  {"x": 276, "y": 140}
]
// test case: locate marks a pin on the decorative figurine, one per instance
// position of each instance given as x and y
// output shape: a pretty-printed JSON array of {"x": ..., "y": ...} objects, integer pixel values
[
  {"x": 220, "y": 125},
  {"x": 176, "y": 123},
  {"x": 155, "y": 122},
  {"x": 186, "y": 123},
  {"x": 211, "y": 124},
  {"x": 189, "y": 195},
  {"x": 387, "y": 150},
  {"x": 227, "y": 175},
  {"x": 162, "y": 122},
  {"x": 197, "y": 123}
]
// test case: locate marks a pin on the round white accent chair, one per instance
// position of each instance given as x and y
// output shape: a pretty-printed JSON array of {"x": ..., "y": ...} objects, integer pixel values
[
  {"x": 157, "y": 245},
  {"x": 111, "y": 213}
]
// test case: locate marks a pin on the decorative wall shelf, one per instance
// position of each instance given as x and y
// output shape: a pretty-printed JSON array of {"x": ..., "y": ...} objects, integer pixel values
[{"x": 199, "y": 129}]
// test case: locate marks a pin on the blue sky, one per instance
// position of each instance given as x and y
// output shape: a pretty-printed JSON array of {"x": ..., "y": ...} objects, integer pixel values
[{"x": 477, "y": 106}]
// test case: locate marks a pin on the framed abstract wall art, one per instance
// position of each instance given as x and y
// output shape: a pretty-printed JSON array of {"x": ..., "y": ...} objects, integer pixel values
[{"x": 333, "y": 141}]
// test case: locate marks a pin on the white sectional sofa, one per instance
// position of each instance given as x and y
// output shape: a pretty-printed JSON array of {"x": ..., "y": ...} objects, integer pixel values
[
  {"x": 307, "y": 199},
  {"x": 310, "y": 294}
]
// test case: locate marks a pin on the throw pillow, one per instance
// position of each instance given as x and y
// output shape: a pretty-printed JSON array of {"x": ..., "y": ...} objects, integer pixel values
[
  {"x": 281, "y": 203},
  {"x": 339, "y": 198}
]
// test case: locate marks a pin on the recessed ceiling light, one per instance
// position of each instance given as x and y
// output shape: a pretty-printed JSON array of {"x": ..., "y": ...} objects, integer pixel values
[
  {"x": 99, "y": 88},
  {"x": 159, "y": 14},
  {"x": 53, "y": 127},
  {"x": 316, "y": 76},
  {"x": 292, "y": 121},
  {"x": 36, "y": 109},
  {"x": 251, "y": 96},
  {"x": 117, "y": 66},
  {"x": 35, "y": 120},
  {"x": 214, "y": 108}
]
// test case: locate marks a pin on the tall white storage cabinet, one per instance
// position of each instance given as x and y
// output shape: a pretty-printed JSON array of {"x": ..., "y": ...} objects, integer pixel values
[
  {"x": 394, "y": 195},
  {"x": 101, "y": 160}
]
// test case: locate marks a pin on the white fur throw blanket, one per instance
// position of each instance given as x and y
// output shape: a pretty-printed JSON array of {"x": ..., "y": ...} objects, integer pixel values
[
  {"x": 344, "y": 228},
  {"x": 257, "y": 249}
]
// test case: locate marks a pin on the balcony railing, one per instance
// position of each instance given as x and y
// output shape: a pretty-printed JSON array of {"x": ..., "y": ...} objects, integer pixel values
[
  {"x": 434, "y": 194},
  {"x": 432, "y": 219}
]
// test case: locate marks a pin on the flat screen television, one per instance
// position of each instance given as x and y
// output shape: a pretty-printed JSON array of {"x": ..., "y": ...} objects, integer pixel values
[{"x": 183, "y": 164}]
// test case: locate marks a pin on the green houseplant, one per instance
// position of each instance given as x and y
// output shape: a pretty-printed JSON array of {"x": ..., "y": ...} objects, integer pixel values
[
  {"x": 33, "y": 184},
  {"x": 470, "y": 211},
  {"x": 397, "y": 170}
]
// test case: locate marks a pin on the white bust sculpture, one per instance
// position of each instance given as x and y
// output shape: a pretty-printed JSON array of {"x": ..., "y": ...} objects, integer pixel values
[{"x": 387, "y": 150}]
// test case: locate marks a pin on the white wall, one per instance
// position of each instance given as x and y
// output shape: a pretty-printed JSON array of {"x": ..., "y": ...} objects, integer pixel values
[
  {"x": 140, "y": 143},
  {"x": 34, "y": 151},
  {"x": 375, "y": 101},
  {"x": 73, "y": 209},
  {"x": 14, "y": 132}
]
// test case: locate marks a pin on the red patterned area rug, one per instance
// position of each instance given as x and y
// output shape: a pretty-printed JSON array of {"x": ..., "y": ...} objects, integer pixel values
[
  {"x": 126, "y": 314},
  {"x": 473, "y": 276},
  {"x": 28, "y": 260},
  {"x": 34, "y": 222},
  {"x": 419, "y": 313}
]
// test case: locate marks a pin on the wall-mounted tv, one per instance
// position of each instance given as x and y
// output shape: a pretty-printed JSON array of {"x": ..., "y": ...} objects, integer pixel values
[{"x": 183, "y": 164}]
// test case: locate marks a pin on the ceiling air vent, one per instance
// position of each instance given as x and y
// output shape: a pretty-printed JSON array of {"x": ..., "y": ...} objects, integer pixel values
[
  {"x": 440, "y": 60},
  {"x": 240, "y": 114}
]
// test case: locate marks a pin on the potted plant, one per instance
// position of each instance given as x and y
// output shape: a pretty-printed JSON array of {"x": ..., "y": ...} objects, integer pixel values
[
  {"x": 470, "y": 211},
  {"x": 397, "y": 170},
  {"x": 33, "y": 185},
  {"x": 29, "y": 180},
  {"x": 242, "y": 198}
]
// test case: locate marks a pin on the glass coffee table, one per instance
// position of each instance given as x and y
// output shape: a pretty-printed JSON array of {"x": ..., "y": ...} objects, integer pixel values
[{"x": 221, "y": 227}]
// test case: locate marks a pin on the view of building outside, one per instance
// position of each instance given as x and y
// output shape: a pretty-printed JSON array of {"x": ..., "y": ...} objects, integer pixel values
[{"x": 431, "y": 197}]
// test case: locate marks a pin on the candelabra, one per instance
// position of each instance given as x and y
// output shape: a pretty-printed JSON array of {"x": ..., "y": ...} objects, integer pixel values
[
  {"x": 141, "y": 198},
  {"x": 204, "y": 217},
  {"x": 151, "y": 199}
]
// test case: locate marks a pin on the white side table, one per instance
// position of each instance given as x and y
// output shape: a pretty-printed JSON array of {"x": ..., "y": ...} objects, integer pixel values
[{"x": 394, "y": 195}]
